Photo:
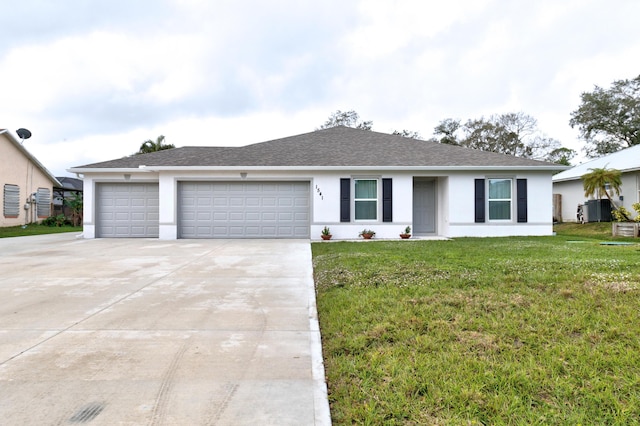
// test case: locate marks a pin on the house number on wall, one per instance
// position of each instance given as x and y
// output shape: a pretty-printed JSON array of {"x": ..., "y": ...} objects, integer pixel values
[{"x": 319, "y": 192}]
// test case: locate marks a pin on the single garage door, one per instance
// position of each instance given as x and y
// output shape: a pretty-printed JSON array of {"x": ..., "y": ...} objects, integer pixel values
[
  {"x": 243, "y": 210},
  {"x": 126, "y": 210}
]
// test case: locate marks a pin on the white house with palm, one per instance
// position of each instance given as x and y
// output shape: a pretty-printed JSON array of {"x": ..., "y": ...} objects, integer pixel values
[{"x": 568, "y": 186}]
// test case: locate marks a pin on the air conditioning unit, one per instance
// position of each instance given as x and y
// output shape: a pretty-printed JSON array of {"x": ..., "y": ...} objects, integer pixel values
[{"x": 599, "y": 210}]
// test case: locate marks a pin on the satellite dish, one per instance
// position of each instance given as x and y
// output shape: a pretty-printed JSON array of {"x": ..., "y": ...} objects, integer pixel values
[{"x": 23, "y": 133}]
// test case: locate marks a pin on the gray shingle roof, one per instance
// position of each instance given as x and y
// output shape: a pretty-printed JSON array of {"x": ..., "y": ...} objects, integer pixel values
[{"x": 333, "y": 147}]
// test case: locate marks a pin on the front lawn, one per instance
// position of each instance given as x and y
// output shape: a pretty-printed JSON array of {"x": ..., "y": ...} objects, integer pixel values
[
  {"x": 542, "y": 330},
  {"x": 36, "y": 229}
]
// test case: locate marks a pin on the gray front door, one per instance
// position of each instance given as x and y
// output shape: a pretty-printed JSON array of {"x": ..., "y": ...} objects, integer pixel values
[{"x": 424, "y": 206}]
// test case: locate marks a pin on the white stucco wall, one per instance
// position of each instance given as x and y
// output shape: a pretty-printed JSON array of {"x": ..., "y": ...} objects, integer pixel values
[
  {"x": 454, "y": 195},
  {"x": 572, "y": 194},
  {"x": 462, "y": 206},
  {"x": 629, "y": 190},
  {"x": 326, "y": 206}
]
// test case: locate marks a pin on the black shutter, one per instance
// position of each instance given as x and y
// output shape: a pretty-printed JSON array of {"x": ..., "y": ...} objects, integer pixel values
[
  {"x": 387, "y": 200},
  {"x": 345, "y": 200},
  {"x": 480, "y": 203},
  {"x": 521, "y": 194}
]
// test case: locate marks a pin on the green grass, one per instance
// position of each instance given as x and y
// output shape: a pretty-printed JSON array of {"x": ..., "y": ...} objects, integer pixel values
[
  {"x": 588, "y": 230},
  {"x": 539, "y": 330},
  {"x": 36, "y": 229}
]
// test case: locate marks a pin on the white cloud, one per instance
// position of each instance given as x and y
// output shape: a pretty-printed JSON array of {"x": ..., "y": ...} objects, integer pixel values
[{"x": 94, "y": 80}]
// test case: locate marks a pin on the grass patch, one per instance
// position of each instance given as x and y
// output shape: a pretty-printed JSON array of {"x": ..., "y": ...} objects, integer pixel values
[
  {"x": 36, "y": 229},
  {"x": 588, "y": 230},
  {"x": 481, "y": 330}
]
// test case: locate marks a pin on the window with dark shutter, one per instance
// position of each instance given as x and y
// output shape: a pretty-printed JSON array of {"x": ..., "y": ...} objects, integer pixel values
[
  {"x": 365, "y": 199},
  {"x": 345, "y": 200},
  {"x": 521, "y": 194},
  {"x": 479, "y": 201},
  {"x": 387, "y": 200}
]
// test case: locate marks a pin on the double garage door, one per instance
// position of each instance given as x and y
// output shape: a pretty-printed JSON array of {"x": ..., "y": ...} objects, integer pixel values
[
  {"x": 206, "y": 210},
  {"x": 243, "y": 210}
]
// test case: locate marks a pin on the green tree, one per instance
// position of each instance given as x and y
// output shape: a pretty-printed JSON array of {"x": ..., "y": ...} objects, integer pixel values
[
  {"x": 514, "y": 133},
  {"x": 491, "y": 135},
  {"x": 75, "y": 204},
  {"x": 595, "y": 184},
  {"x": 609, "y": 119},
  {"x": 151, "y": 146},
  {"x": 562, "y": 156},
  {"x": 346, "y": 118},
  {"x": 446, "y": 131},
  {"x": 407, "y": 134}
]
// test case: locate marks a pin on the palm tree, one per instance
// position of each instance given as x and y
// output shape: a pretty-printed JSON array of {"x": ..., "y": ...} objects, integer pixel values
[
  {"x": 595, "y": 184},
  {"x": 151, "y": 146}
]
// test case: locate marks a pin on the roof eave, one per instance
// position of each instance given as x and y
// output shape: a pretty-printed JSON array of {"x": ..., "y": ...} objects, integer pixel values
[
  {"x": 577, "y": 177},
  {"x": 82, "y": 170},
  {"x": 550, "y": 168}
]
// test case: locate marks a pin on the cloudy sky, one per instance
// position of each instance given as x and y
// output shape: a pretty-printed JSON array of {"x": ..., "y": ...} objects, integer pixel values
[{"x": 93, "y": 79}]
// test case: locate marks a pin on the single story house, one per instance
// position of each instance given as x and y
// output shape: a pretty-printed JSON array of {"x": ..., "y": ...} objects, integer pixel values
[
  {"x": 567, "y": 185},
  {"x": 344, "y": 178},
  {"x": 27, "y": 186}
]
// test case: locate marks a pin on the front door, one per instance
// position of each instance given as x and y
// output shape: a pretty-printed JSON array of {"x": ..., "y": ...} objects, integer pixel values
[{"x": 424, "y": 206}]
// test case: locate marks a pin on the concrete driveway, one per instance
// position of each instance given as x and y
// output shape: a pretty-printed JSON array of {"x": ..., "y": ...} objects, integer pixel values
[{"x": 139, "y": 331}]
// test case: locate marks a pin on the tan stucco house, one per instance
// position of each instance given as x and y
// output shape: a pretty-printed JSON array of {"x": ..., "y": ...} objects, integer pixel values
[{"x": 27, "y": 186}]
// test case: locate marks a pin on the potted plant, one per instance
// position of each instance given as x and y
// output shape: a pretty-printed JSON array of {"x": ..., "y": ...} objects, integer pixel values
[
  {"x": 367, "y": 234},
  {"x": 406, "y": 234},
  {"x": 326, "y": 233}
]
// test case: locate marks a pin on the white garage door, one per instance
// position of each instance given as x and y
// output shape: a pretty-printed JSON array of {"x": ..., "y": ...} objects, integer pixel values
[
  {"x": 126, "y": 210},
  {"x": 243, "y": 210}
]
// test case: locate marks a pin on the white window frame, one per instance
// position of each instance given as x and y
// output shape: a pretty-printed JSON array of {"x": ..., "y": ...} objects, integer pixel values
[
  {"x": 377, "y": 199},
  {"x": 510, "y": 200}
]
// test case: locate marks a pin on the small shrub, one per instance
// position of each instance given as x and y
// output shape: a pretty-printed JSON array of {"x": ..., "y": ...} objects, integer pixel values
[
  {"x": 636, "y": 207},
  {"x": 59, "y": 220},
  {"x": 621, "y": 214}
]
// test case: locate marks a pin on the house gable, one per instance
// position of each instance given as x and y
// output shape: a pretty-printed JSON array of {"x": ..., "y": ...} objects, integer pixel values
[{"x": 24, "y": 182}]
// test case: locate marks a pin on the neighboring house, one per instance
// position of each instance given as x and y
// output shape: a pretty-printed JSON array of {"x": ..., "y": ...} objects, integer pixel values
[
  {"x": 27, "y": 186},
  {"x": 344, "y": 178},
  {"x": 69, "y": 189},
  {"x": 568, "y": 184}
]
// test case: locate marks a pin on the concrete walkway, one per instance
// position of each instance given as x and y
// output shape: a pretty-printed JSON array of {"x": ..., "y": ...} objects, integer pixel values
[{"x": 139, "y": 331}]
